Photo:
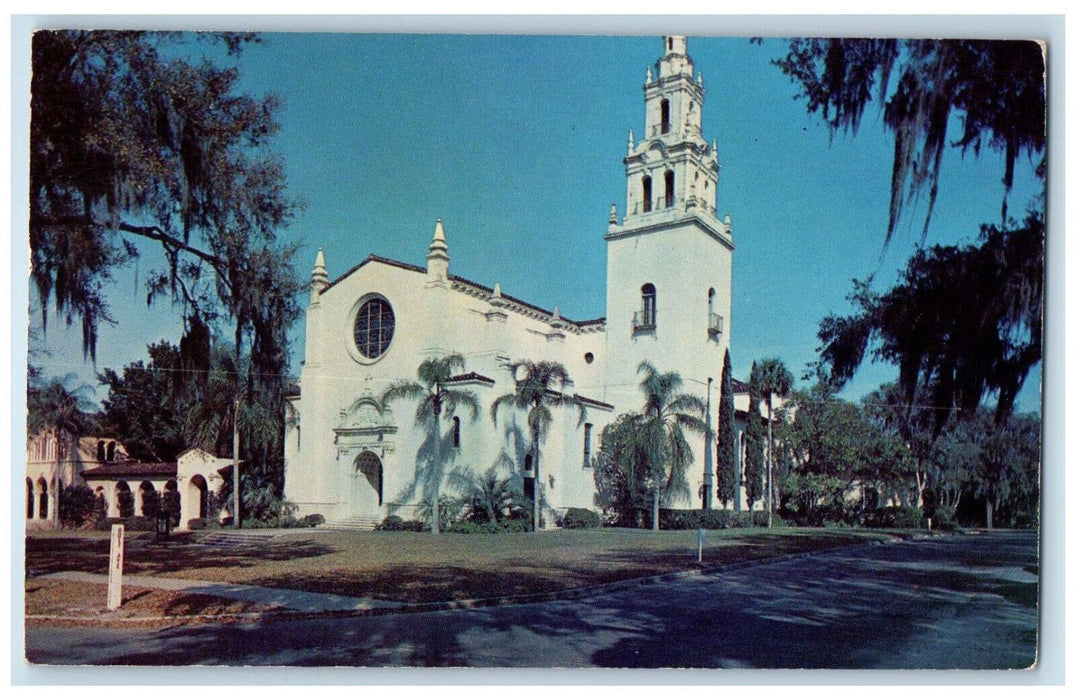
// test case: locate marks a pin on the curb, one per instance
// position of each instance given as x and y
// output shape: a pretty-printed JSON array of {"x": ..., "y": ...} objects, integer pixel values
[{"x": 474, "y": 603}]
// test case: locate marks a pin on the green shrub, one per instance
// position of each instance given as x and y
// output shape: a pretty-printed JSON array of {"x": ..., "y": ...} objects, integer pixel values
[
  {"x": 132, "y": 524},
  {"x": 196, "y": 524},
  {"x": 78, "y": 507},
  {"x": 312, "y": 520},
  {"x": 674, "y": 519},
  {"x": 394, "y": 523},
  {"x": 895, "y": 516},
  {"x": 464, "y": 527},
  {"x": 580, "y": 518}
]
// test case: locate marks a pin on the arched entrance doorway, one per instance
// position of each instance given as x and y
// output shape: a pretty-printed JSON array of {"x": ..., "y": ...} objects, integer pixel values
[
  {"x": 148, "y": 500},
  {"x": 29, "y": 499},
  {"x": 369, "y": 475},
  {"x": 124, "y": 499},
  {"x": 197, "y": 491},
  {"x": 170, "y": 500}
]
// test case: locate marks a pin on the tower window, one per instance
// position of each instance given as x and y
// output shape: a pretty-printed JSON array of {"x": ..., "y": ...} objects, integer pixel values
[
  {"x": 665, "y": 121},
  {"x": 647, "y": 193},
  {"x": 670, "y": 43},
  {"x": 650, "y": 303},
  {"x": 670, "y": 189},
  {"x": 456, "y": 431}
]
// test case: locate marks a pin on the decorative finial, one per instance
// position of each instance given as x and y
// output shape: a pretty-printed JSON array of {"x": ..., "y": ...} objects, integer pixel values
[
  {"x": 497, "y": 290},
  {"x": 437, "y": 260},
  {"x": 319, "y": 278},
  {"x": 556, "y": 313},
  {"x": 728, "y": 221},
  {"x": 700, "y": 78},
  {"x": 649, "y": 75},
  {"x": 612, "y": 213},
  {"x": 631, "y": 141}
]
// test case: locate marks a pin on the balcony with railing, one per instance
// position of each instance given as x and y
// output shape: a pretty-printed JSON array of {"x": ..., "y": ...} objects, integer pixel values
[
  {"x": 715, "y": 325},
  {"x": 642, "y": 322}
]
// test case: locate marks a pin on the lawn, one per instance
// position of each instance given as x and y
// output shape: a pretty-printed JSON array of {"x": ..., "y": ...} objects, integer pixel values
[{"x": 419, "y": 567}]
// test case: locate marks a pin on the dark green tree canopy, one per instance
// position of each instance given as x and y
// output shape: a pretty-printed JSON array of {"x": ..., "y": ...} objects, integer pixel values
[
  {"x": 727, "y": 482},
  {"x": 961, "y": 323},
  {"x": 130, "y": 146},
  {"x": 995, "y": 89}
]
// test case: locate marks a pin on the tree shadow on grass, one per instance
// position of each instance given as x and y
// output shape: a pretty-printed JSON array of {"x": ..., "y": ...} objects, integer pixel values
[{"x": 54, "y": 554}]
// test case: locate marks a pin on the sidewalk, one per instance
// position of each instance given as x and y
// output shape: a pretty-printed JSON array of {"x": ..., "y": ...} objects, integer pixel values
[{"x": 297, "y": 601}]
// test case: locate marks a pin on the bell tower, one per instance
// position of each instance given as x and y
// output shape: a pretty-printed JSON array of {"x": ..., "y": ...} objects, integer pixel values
[{"x": 669, "y": 274}]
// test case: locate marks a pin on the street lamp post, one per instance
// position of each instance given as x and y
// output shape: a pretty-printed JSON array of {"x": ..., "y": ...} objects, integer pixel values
[{"x": 708, "y": 458}]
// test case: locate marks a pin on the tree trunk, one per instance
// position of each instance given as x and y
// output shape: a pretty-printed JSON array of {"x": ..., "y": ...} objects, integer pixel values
[
  {"x": 537, "y": 480},
  {"x": 655, "y": 524},
  {"x": 435, "y": 526},
  {"x": 989, "y": 513}
]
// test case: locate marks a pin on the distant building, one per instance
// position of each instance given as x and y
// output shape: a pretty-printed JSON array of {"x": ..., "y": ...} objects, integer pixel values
[
  {"x": 668, "y": 301},
  {"x": 55, "y": 460}
]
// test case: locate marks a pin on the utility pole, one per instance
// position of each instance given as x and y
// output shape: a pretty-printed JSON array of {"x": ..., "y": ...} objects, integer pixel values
[
  {"x": 708, "y": 458},
  {"x": 236, "y": 520}
]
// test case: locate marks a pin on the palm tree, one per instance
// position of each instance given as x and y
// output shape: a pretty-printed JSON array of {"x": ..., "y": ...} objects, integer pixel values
[
  {"x": 539, "y": 389},
  {"x": 55, "y": 405},
  {"x": 773, "y": 378},
  {"x": 665, "y": 415},
  {"x": 435, "y": 399}
]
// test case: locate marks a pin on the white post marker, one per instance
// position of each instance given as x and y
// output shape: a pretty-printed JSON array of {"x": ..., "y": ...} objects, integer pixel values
[
  {"x": 115, "y": 569},
  {"x": 700, "y": 545}
]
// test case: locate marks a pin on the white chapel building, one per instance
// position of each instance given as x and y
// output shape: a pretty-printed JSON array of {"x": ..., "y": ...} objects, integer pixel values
[{"x": 668, "y": 301}]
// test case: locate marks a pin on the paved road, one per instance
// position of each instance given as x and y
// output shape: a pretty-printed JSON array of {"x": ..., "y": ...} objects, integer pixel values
[{"x": 964, "y": 602}]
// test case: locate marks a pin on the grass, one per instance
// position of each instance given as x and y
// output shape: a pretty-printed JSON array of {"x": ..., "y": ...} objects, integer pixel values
[{"x": 418, "y": 567}]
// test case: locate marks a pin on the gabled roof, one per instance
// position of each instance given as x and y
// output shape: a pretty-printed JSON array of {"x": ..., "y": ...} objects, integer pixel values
[
  {"x": 461, "y": 280},
  {"x": 471, "y": 377}
]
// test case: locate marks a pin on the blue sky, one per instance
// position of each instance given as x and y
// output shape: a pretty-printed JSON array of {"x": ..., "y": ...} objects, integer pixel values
[{"x": 516, "y": 143}]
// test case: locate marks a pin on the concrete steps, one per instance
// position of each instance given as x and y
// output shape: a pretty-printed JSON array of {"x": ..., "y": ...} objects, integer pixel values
[{"x": 355, "y": 523}]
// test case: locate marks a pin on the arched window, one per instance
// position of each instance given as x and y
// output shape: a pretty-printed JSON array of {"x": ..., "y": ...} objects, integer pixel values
[
  {"x": 670, "y": 43},
  {"x": 111, "y": 455},
  {"x": 29, "y": 499},
  {"x": 650, "y": 305},
  {"x": 100, "y": 450},
  {"x": 647, "y": 193},
  {"x": 298, "y": 438},
  {"x": 42, "y": 499},
  {"x": 665, "y": 120},
  {"x": 670, "y": 189},
  {"x": 456, "y": 431}
]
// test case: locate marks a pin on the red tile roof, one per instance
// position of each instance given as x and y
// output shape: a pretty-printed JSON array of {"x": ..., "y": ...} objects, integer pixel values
[{"x": 131, "y": 469}]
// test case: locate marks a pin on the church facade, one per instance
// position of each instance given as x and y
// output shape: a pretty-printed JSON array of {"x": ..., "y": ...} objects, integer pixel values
[{"x": 355, "y": 460}]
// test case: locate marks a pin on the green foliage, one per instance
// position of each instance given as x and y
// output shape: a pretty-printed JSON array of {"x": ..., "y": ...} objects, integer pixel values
[
  {"x": 394, "y": 523},
  {"x": 79, "y": 507},
  {"x": 436, "y": 400},
  {"x": 996, "y": 88},
  {"x": 465, "y": 527},
  {"x": 711, "y": 519},
  {"x": 661, "y": 427},
  {"x": 490, "y": 497},
  {"x": 143, "y": 407},
  {"x": 961, "y": 323},
  {"x": 577, "y": 518},
  {"x": 312, "y": 520},
  {"x": 754, "y": 465},
  {"x": 837, "y": 458},
  {"x": 60, "y": 405},
  {"x": 540, "y": 387},
  {"x": 728, "y": 482},
  {"x": 998, "y": 464},
  {"x": 622, "y": 476},
  {"x": 129, "y": 147}
]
